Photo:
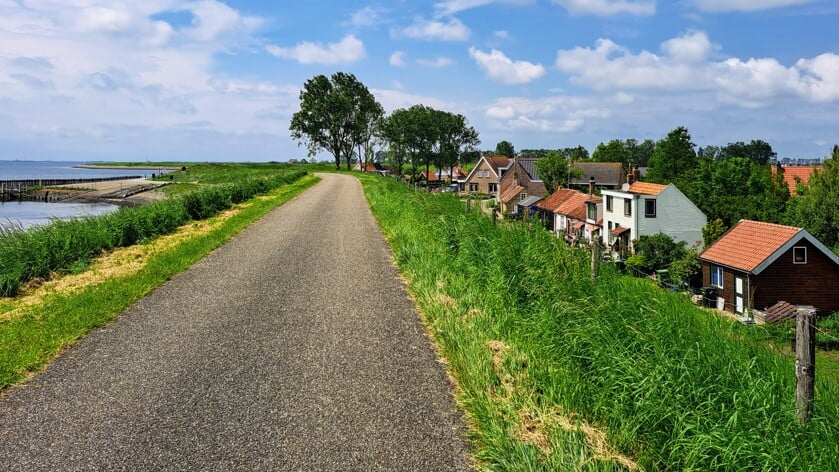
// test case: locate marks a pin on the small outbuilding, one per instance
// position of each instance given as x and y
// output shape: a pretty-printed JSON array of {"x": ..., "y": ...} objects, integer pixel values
[{"x": 755, "y": 265}]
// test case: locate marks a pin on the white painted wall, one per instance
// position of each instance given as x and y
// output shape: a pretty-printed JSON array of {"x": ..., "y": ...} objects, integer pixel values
[
  {"x": 616, "y": 216},
  {"x": 676, "y": 216}
]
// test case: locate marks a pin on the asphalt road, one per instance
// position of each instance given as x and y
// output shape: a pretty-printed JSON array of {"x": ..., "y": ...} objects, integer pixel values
[{"x": 293, "y": 347}]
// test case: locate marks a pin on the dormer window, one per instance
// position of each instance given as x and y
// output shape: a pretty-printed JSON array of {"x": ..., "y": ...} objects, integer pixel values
[{"x": 799, "y": 255}]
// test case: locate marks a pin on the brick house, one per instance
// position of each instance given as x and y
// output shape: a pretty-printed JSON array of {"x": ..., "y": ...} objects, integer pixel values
[
  {"x": 521, "y": 181},
  {"x": 756, "y": 264},
  {"x": 484, "y": 177}
]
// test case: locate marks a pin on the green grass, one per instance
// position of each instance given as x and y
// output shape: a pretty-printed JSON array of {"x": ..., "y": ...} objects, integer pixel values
[
  {"x": 32, "y": 340},
  {"x": 538, "y": 350}
]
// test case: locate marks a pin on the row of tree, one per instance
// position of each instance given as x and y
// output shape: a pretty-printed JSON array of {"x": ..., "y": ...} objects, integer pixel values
[{"x": 339, "y": 115}]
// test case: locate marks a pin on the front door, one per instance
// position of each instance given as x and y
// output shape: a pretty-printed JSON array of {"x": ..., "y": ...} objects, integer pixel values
[{"x": 738, "y": 294}]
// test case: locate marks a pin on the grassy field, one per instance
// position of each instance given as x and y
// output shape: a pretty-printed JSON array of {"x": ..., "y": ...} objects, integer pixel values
[
  {"x": 53, "y": 314},
  {"x": 559, "y": 372}
]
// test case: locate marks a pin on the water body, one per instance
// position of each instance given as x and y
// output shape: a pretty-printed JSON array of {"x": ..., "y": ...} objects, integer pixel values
[{"x": 16, "y": 215}]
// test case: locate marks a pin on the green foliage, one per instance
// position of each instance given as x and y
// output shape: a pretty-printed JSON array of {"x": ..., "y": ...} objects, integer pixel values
[
  {"x": 529, "y": 336},
  {"x": 659, "y": 250},
  {"x": 335, "y": 115},
  {"x": 673, "y": 160},
  {"x": 758, "y": 151},
  {"x": 505, "y": 148},
  {"x": 686, "y": 270},
  {"x": 817, "y": 208},
  {"x": 553, "y": 169},
  {"x": 712, "y": 231},
  {"x": 60, "y": 246}
]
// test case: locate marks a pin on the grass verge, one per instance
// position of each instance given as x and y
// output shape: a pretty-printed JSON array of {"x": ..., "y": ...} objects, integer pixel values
[
  {"x": 33, "y": 338},
  {"x": 559, "y": 372}
]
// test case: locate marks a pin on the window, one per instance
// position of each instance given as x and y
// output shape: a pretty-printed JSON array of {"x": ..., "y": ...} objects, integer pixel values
[
  {"x": 627, "y": 207},
  {"x": 649, "y": 208},
  {"x": 493, "y": 188},
  {"x": 609, "y": 203},
  {"x": 799, "y": 255},
  {"x": 716, "y": 276},
  {"x": 473, "y": 187},
  {"x": 591, "y": 211},
  {"x": 522, "y": 196}
]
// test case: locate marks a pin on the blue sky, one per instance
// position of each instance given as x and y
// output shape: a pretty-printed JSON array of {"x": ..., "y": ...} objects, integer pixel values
[{"x": 213, "y": 80}]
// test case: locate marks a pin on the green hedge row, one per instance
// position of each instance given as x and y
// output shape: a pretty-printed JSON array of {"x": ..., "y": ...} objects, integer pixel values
[{"x": 65, "y": 245}]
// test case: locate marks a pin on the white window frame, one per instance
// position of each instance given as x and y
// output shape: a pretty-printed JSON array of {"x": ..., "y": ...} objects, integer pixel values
[
  {"x": 720, "y": 276},
  {"x": 795, "y": 259},
  {"x": 627, "y": 207}
]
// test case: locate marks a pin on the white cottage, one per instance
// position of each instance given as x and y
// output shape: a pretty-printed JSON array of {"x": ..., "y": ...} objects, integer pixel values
[{"x": 645, "y": 209}]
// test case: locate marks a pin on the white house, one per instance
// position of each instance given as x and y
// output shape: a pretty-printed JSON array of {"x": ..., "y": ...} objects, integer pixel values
[{"x": 645, "y": 209}]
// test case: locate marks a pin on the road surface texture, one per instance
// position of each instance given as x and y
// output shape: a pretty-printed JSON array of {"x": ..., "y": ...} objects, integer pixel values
[{"x": 293, "y": 347}]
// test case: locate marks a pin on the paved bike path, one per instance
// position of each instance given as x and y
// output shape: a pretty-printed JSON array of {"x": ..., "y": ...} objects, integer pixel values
[{"x": 292, "y": 347}]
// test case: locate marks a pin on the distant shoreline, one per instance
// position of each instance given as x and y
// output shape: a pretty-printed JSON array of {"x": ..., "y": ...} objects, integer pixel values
[{"x": 117, "y": 167}]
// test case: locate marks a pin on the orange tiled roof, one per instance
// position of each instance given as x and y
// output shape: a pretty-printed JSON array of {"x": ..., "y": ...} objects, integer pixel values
[
  {"x": 511, "y": 192},
  {"x": 646, "y": 188},
  {"x": 791, "y": 172},
  {"x": 748, "y": 244},
  {"x": 557, "y": 198},
  {"x": 574, "y": 207}
]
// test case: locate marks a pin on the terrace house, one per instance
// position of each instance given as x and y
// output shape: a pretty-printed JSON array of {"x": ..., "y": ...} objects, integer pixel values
[
  {"x": 645, "y": 209},
  {"x": 518, "y": 182},
  {"x": 755, "y": 265}
]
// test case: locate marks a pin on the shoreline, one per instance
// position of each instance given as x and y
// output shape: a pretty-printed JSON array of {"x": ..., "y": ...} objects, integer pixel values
[{"x": 118, "y": 167}]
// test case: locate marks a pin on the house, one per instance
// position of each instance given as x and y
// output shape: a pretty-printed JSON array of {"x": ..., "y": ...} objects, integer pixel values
[
  {"x": 549, "y": 204},
  {"x": 371, "y": 168},
  {"x": 644, "y": 209},
  {"x": 439, "y": 176},
  {"x": 484, "y": 177},
  {"x": 521, "y": 173},
  {"x": 570, "y": 217},
  {"x": 756, "y": 264},
  {"x": 607, "y": 175},
  {"x": 795, "y": 174}
]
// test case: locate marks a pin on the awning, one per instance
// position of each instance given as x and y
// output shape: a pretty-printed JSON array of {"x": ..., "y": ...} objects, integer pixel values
[
  {"x": 579, "y": 225},
  {"x": 529, "y": 201},
  {"x": 619, "y": 231},
  {"x": 592, "y": 228}
]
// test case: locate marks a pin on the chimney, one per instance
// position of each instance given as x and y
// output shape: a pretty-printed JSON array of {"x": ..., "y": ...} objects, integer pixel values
[
  {"x": 591, "y": 185},
  {"x": 630, "y": 177},
  {"x": 636, "y": 174}
]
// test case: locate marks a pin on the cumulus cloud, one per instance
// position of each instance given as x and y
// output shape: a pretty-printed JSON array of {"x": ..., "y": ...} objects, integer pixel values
[
  {"x": 452, "y": 30},
  {"x": 556, "y": 114},
  {"x": 397, "y": 59},
  {"x": 686, "y": 63},
  {"x": 608, "y": 7},
  {"x": 367, "y": 16},
  {"x": 347, "y": 50},
  {"x": 503, "y": 69},
  {"x": 450, "y": 7},
  {"x": 746, "y": 5}
]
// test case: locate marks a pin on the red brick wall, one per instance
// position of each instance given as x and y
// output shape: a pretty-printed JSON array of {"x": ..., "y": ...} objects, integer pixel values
[{"x": 814, "y": 283}]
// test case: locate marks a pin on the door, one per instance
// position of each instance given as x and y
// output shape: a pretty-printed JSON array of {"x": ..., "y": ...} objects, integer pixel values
[{"x": 738, "y": 294}]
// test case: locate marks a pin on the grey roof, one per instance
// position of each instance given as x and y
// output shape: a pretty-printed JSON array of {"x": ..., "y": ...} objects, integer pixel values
[
  {"x": 529, "y": 166},
  {"x": 529, "y": 201},
  {"x": 604, "y": 173}
]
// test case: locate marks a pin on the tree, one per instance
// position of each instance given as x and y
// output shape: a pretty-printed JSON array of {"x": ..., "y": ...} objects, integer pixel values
[
  {"x": 817, "y": 209},
  {"x": 712, "y": 231},
  {"x": 454, "y": 137},
  {"x": 554, "y": 170},
  {"x": 333, "y": 116},
  {"x": 673, "y": 160},
  {"x": 505, "y": 148},
  {"x": 614, "y": 151},
  {"x": 757, "y": 150}
]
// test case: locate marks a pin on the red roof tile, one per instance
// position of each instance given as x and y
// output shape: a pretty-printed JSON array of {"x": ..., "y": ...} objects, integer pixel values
[
  {"x": 803, "y": 173},
  {"x": 511, "y": 193},
  {"x": 619, "y": 231},
  {"x": 748, "y": 244},
  {"x": 646, "y": 188},
  {"x": 575, "y": 206},
  {"x": 557, "y": 198}
]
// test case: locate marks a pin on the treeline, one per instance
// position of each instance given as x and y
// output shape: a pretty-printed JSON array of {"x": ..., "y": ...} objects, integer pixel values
[{"x": 65, "y": 246}]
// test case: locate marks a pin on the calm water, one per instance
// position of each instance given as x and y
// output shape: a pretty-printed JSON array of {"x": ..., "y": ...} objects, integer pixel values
[{"x": 27, "y": 214}]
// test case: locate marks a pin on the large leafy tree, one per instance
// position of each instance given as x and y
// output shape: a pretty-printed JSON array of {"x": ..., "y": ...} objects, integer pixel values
[
  {"x": 454, "y": 138},
  {"x": 674, "y": 160},
  {"x": 335, "y": 114},
  {"x": 817, "y": 208},
  {"x": 554, "y": 170},
  {"x": 505, "y": 148},
  {"x": 757, "y": 150}
]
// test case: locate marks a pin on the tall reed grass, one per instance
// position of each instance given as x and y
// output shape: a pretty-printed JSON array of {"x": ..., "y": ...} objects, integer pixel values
[
  {"x": 63, "y": 245},
  {"x": 535, "y": 344}
]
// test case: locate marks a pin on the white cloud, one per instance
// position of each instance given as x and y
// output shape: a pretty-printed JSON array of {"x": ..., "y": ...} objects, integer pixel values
[
  {"x": 450, "y": 7},
  {"x": 347, "y": 50},
  {"x": 746, "y": 5},
  {"x": 687, "y": 65},
  {"x": 436, "y": 63},
  {"x": 608, "y": 7},
  {"x": 397, "y": 59},
  {"x": 551, "y": 114},
  {"x": 501, "y": 34},
  {"x": 391, "y": 99},
  {"x": 501, "y": 68},
  {"x": 453, "y": 30},
  {"x": 367, "y": 16}
]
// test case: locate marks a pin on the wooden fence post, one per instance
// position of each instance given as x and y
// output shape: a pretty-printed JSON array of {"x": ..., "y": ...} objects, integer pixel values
[
  {"x": 468, "y": 204},
  {"x": 595, "y": 256},
  {"x": 805, "y": 363}
]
